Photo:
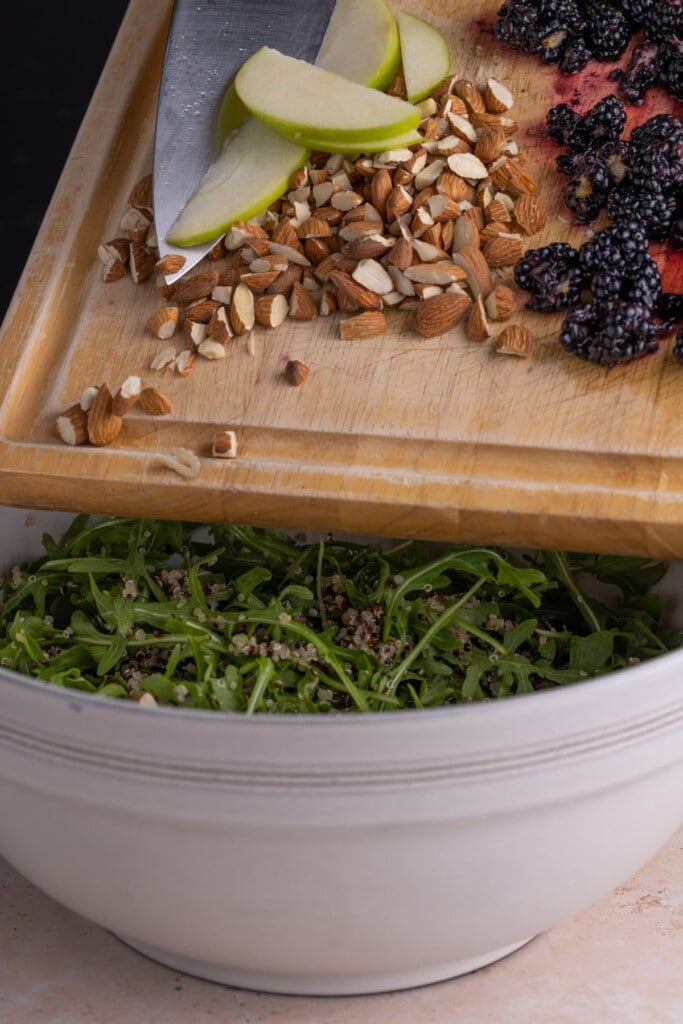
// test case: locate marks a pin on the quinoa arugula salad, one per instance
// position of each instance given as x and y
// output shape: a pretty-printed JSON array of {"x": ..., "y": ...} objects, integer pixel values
[{"x": 241, "y": 619}]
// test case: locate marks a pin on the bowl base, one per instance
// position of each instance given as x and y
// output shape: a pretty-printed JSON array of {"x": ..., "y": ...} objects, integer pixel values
[{"x": 321, "y": 985}]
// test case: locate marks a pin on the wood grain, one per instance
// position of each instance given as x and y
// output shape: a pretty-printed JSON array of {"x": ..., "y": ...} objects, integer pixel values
[{"x": 399, "y": 436}]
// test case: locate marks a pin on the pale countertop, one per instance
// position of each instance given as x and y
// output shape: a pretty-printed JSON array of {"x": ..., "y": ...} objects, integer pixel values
[{"x": 619, "y": 962}]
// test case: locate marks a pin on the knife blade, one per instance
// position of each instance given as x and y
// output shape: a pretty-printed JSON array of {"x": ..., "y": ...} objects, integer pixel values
[{"x": 208, "y": 41}]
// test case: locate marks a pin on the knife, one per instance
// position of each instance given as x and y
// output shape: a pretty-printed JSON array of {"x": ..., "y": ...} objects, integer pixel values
[{"x": 208, "y": 41}]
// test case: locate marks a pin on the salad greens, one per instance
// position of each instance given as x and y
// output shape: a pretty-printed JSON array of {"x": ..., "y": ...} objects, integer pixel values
[{"x": 242, "y": 619}]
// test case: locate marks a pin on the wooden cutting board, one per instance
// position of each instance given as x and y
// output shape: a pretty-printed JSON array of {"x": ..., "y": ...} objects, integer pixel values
[{"x": 398, "y": 436}]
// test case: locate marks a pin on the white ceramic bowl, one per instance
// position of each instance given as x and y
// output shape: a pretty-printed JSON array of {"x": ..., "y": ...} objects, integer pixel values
[{"x": 334, "y": 855}]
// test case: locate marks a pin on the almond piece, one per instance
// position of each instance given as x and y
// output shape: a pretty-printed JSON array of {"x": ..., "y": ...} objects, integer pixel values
[
  {"x": 503, "y": 251},
  {"x": 135, "y": 224},
  {"x": 530, "y": 214},
  {"x": 103, "y": 425},
  {"x": 195, "y": 286},
  {"x": 401, "y": 255},
  {"x": 515, "y": 340},
  {"x": 202, "y": 310},
  {"x": 127, "y": 395},
  {"x": 283, "y": 284},
  {"x": 328, "y": 303},
  {"x": 440, "y": 313},
  {"x": 211, "y": 349},
  {"x": 270, "y": 310},
  {"x": 295, "y": 372},
  {"x": 72, "y": 425},
  {"x": 185, "y": 361},
  {"x": 163, "y": 321},
  {"x": 501, "y": 303},
  {"x": 171, "y": 263},
  {"x": 155, "y": 402},
  {"x": 218, "y": 327},
  {"x": 473, "y": 262},
  {"x": 468, "y": 92},
  {"x": 497, "y": 97},
  {"x": 490, "y": 142},
  {"x": 301, "y": 304},
  {"x": 367, "y": 248},
  {"x": 241, "y": 315},
  {"x": 114, "y": 249},
  {"x": 141, "y": 194},
  {"x": 224, "y": 445},
  {"x": 346, "y": 288},
  {"x": 365, "y": 325},
  {"x": 142, "y": 262},
  {"x": 372, "y": 275},
  {"x": 477, "y": 326},
  {"x": 163, "y": 359},
  {"x": 113, "y": 270},
  {"x": 194, "y": 331}
]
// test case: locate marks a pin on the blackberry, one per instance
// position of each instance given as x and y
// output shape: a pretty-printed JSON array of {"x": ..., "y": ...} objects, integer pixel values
[
  {"x": 538, "y": 27},
  {"x": 676, "y": 237},
  {"x": 615, "y": 246},
  {"x": 659, "y": 162},
  {"x": 672, "y": 68},
  {"x": 638, "y": 281},
  {"x": 641, "y": 74},
  {"x": 551, "y": 275},
  {"x": 659, "y": 128},
  {"x": 624, "y": 331},
  {"x": 588, "y": 185},
  {"x": 635, "y": 10},
  {"x": 670, "y": 309},
  {"x": 615, "y": 156},
  {"x": 652, "y": 206},
  {"x": 605, "y": 121},
  {"x": 576, "y": 55},
  {"x": 678, "y": 345},
  {"x": 608, "y": 32},
  {"x": 664, "y": 21},
  {"x": 562, "y": 124}
]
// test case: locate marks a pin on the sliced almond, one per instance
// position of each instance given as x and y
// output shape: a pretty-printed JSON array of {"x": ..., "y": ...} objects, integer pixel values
[
  {"x": 141, "y": 194},
  {"x": 115, "y": 249},
  {"x": 401, "y": 255},
  {"x": 469, "y": 93},
  {"x": 163, "y": 359},
  {"x": 195, "y": 331},
  {"x": 113, "y": 270},
  {"x": 442, "y": 273},
  {"x": 202, "y": 310}
]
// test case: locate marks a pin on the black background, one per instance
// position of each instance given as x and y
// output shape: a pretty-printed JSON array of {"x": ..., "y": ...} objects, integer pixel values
[{"x": 50, "y": 67}]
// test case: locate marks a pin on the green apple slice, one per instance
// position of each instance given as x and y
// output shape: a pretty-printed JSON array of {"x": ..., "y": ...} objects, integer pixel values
[
  {"x": 253, "y": 170},
  {"x": 300, "y": 100},
  {"x": 411, "y": 138},
  {"x": 231, "y": 114},
  {"x": 361, "y": 43},
  {"x": 425, "y": 56}
]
